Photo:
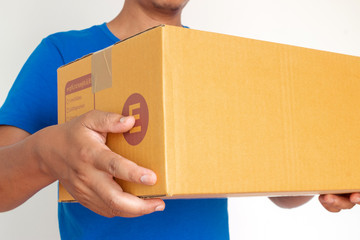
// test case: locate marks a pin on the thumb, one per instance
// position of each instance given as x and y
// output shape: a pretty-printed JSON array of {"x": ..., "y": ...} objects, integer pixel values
[{"x": 107, "y": 122}]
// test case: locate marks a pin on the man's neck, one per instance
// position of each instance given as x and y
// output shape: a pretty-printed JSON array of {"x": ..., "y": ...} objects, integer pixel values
[{"x": 134, "y": 19}]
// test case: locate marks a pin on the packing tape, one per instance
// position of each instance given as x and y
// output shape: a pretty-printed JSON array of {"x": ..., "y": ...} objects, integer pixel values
[{"x": 101, "y": 70}]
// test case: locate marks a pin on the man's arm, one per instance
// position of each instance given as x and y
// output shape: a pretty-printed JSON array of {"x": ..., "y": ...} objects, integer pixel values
[
  {"x": 74, "y": 153},
  {"x": 20, "y": 174}
]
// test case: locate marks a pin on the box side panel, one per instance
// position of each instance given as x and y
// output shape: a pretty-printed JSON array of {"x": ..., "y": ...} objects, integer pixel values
[
  {"x": 168, "y": 101},
  {"x": 137, "y": 90},
  {"x": 258, "y": 117},
  {"x": 75, "y": 98}
]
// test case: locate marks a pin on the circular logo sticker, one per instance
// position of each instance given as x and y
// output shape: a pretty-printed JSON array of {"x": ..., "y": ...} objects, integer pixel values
[{"x": 136, "y": 106}]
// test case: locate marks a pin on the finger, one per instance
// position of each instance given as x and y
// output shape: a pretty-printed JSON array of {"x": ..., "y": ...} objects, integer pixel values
[
  {"x": 342, "y": 201},
  {"x": 106, "y": 122},
  {"x": 123, "y": 204},
  {"x": 96, "y": 204},
  {"x": 85, "y": 196},
  {"x": 90, "y": 199},
  {"x": 330, "y": 209},
  {"x": 124, "y": 169},
  {"x": 336, "y": 202},
  {"x": 326, "y": 203},
  {"x": 355, "y": 198}
]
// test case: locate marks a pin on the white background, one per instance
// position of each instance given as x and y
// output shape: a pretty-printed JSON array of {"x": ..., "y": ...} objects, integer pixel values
[{"x": 332, "y": 25}]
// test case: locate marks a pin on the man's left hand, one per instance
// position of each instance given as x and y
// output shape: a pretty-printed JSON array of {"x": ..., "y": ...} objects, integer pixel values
[{"x": 336, "y": 203}]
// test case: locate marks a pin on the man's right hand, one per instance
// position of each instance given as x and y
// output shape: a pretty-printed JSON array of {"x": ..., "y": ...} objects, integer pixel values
[{"x": 75, "y": 153}]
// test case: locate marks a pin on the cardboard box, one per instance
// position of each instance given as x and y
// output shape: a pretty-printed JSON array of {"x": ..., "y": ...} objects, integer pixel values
[{"x": 219, "y": 115}]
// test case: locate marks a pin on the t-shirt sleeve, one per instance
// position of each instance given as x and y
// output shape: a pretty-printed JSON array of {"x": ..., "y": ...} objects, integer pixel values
[{"x": 32, "y": 101}]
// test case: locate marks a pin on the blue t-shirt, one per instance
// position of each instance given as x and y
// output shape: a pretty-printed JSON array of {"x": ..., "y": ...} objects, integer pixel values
[{"x": 32, "y": 105}]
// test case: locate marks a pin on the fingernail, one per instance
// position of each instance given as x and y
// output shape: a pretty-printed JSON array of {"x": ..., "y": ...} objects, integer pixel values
[
  {"x": 160, "y": 208},
  {"x": 357, "y": 200},
  {"x": 329, "y": 200},
  {"x": 147, "y": 179},
  {"x": 123, "y": 119}
]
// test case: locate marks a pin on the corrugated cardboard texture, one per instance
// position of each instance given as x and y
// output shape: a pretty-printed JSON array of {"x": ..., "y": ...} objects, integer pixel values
[
  {"x": 252, "y": 116},
  {"x": 231, "y": 116}
]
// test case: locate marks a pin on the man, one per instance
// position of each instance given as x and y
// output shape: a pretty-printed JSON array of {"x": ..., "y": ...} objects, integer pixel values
[{"x": 37, "y": 152}]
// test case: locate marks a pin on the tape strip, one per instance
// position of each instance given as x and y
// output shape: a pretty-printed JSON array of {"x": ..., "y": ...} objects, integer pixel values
[{"x": 101, "y": 70}]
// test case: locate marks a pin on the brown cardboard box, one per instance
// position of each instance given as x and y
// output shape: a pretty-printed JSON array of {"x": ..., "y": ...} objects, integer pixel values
[{"x": 219, "y": 115}]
